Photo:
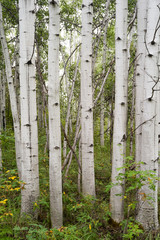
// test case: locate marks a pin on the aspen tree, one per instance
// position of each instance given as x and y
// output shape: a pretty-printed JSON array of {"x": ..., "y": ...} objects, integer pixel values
[
  {"x": 29, "y": 135},
  {"x": 55, "y": 174},
  {"x": 88, "y": 175},
  {"x": 147, "y": 210},
  {"x": 103, "y": 64},
  {"x": 12, "y": 95},
  {"x": 140, "y": 69},
  {"x": 120, "y": 114}
]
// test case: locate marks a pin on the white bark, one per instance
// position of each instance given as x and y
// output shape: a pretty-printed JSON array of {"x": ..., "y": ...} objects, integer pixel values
[
  {"x": 102, "y": 120},
  {"x": 12, "y": 94},
  {"x": 148, "y": 209},
  {"x": 104, "y": 65},
  {"x": 120, "y": 114},
  {"x": 88, "y": 176},
  {"x": 140, "y": 69},
  {"x": 54, "y": 116},
  {"x": 29, "y": 135}
]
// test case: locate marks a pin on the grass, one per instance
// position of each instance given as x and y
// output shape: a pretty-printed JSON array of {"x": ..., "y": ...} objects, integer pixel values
[{"x": 84, "y": 217}]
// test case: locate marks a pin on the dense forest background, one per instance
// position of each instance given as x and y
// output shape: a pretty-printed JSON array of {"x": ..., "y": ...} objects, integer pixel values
[{"x": 87, "y": 213}]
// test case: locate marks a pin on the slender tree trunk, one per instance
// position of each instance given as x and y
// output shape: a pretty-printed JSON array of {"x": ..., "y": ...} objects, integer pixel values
[
  {"x": 120, "y": 114},
  {"x": 132, "y": 113},
  {"x": 88, "y": 175},
  {"x": 79, "y": 170},
  {"x": 12, "y": 95},
  {"x": 16, "y": 76},
  {"x": 102, "y": 120},
  {"x": 29, "y": 133},
  {"x": 140, "y": 69},
  {"x": 3, "y": 101},
  {"x": 54, "y": 116},
  {"x": 104, "y": 68},
  {"x": 147, "y": 213},
  {"x": 132, "y": 118}
]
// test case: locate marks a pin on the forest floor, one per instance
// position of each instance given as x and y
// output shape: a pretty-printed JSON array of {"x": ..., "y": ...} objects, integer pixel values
[{"x": 84, "y": 217}]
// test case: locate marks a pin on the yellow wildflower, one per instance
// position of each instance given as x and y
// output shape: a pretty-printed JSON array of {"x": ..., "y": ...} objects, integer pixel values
[
  {"x": 12, "y": 177},
  {"x": 35, "y": 204},
  {"x": 4, "y": 201},
  {"x": 90, "y": 227}
]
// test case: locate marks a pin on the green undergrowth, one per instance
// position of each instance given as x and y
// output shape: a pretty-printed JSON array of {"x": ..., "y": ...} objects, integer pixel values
[{"x": 84, "y": 217}]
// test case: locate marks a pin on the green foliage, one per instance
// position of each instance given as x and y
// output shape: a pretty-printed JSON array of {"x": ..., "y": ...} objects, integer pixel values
[
  {"x": 133, "y": 229},
  {"x": 70, "y": 14},
  {"x": 8, "y": 149},
  {"x": 84, "y": 217},
  {"x": 135, "y": 179},
  {"x": 32, "y": 232},
  {"x": 10, "y": 201}
]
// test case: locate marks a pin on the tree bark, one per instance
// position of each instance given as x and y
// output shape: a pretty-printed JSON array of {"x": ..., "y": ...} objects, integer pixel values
[
  {"x": 147, "y": 213},
  {"x": 140, "y": 69},
  {"x": 55, "y": 175},
  {"x": 104, "y": 67},
  {"x": 29, "y": 133},
  {"x": 120, "y": 114},
  {"x": 88, "y": 175}
]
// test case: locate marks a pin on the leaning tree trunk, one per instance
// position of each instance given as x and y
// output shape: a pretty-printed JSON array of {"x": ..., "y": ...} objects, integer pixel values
[
  {"x": 88, "y": 175},
  {"x": 55, "y": 174},
  {"x": 29, "y": 133},
  {"x": 120, "y": 114},
  {"x": 147, "y": 213},
  {"x": 12, "y": 94}
]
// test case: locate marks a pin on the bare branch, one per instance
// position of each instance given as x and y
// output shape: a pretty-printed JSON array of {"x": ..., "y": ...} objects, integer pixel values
[{"x": 71, "y": 147}]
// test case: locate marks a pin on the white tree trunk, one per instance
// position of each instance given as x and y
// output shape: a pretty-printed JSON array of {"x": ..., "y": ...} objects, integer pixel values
[
  {"x": 12, "y": 94},
  {"x": 102, "y": 120},
  {"x": 104, "y": 65},
  {"x": 120, "y": 114},
  {"x": 148, "y": 209},
  {"x": 54, "y": 116},
  {"x": 88, "y": 175},
  {"x": 29, "y": 134},
  {"x": 140, "y": 69}
]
